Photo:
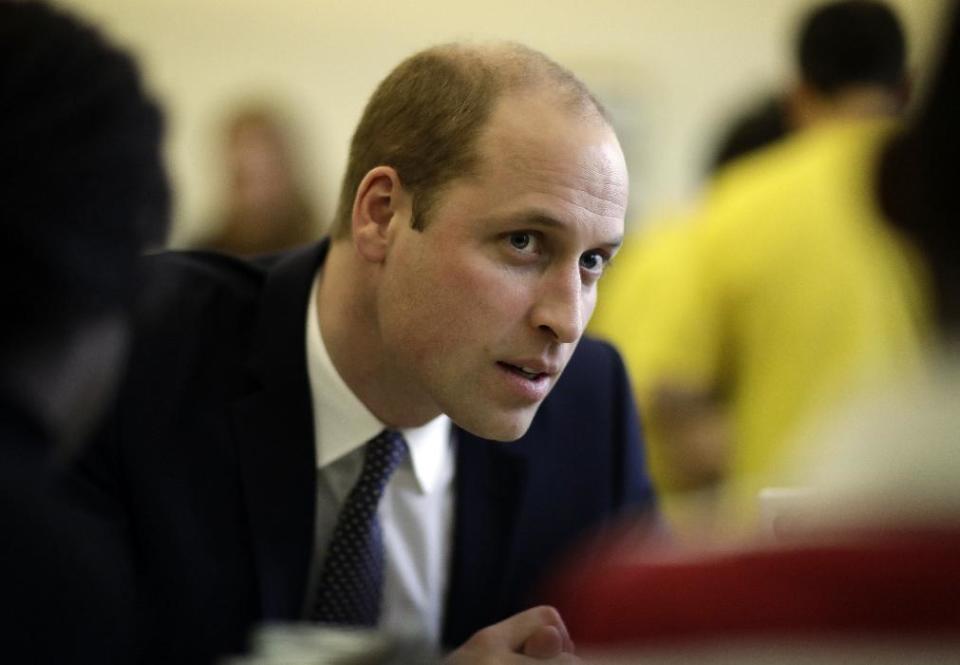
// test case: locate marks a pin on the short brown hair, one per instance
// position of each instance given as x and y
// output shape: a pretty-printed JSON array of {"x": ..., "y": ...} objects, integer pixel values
[{"x": 425, "y": 117}]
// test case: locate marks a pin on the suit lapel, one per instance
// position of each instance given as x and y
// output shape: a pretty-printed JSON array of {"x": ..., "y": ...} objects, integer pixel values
[
  {"x": 275, "y": 438},
  {"x": 491, "y": 479}
]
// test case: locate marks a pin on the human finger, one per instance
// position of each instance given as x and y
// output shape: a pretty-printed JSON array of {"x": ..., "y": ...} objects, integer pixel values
[{"x": 545, "y": 642}]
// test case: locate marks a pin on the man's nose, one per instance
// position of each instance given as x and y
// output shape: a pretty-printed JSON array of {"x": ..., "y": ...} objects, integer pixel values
[{"x": 559, "y": 307}]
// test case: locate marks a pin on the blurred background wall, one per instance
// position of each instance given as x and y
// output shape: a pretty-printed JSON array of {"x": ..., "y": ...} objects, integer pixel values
[{"x": 671, "y": 71}]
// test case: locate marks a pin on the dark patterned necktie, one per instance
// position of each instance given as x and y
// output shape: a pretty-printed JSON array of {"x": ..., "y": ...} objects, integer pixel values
[{"x": 351, "y": 580}]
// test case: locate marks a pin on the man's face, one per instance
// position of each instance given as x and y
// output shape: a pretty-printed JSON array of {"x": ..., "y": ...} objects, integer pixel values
[{"x": 480, "y": 312}]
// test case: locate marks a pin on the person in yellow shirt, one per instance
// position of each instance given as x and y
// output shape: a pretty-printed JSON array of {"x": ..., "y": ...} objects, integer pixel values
[{"x": 786, "y": 291}]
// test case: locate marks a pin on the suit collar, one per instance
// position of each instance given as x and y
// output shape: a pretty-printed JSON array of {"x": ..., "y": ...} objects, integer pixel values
[
  {"x": 279, "y": 348},
  {"x": 274, "y": 431}
]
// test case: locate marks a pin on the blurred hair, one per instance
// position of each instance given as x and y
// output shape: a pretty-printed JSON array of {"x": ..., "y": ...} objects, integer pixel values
[
  {"x": 425, "y": 117},
  {"x": 82, "y": 185},
  {"x": 849, "y": 43},
  {"x": 761, "y": 125}
]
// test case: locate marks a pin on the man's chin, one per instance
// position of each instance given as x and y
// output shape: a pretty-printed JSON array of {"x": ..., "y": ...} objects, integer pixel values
[{"x": 499, "y": 426}]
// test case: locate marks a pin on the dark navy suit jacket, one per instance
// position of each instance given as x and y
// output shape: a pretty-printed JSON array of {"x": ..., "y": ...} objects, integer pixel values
[{"x": 208, "y": 465}]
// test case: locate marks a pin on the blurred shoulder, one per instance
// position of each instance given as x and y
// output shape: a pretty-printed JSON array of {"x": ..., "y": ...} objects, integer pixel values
[
  {"x": 809, "y": 157},
  {"x": 197, "y": 294}
]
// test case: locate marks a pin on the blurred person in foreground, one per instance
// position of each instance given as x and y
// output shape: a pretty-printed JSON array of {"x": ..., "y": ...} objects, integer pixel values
[
  {"x": 266, "y": 207},
  {"x": 82, "y": 190},
  {"x": 484, "y": 195},
  {"x": 788, "y": 290},
  {"x": 862, "y": 565}
]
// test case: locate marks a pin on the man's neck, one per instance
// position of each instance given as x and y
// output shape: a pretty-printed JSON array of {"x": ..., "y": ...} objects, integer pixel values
[
  {"x": 346, "y": 308},
  {"x": 852, "y": 104}
]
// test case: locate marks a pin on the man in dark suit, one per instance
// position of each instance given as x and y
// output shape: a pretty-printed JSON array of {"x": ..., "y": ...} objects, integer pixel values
[{"x": 485, "y": 193}]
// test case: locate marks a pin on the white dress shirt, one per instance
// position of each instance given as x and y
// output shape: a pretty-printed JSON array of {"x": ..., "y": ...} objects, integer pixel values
[{"x": 416, "y": 511}]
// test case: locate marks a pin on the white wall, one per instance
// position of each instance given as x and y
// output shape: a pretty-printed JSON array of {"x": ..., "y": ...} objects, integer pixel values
[{"x": 670, "y": 69}]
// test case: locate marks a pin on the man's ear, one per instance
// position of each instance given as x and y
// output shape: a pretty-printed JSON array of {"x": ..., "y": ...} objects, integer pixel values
[{"x": 380, "y": 201}]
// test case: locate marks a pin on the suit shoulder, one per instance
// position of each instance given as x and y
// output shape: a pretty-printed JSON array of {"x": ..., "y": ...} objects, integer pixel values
[
  {"x": 185, "y": 280},
  {"x": 189, "y": 296},
  {"x": 198, "y": 267},
  {"x": 594, "y": 375},
  {"x": 595, "y": 357}
]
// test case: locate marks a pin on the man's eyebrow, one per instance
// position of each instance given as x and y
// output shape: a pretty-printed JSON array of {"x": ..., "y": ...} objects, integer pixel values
[
  {"x": 541, "y": 219},
  {"x": 613, "y": 243}
]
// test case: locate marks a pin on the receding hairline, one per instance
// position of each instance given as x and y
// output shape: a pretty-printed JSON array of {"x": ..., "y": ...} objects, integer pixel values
[
  {"x": 520, "y": 72},
  {"x": 517, "y": 68}
]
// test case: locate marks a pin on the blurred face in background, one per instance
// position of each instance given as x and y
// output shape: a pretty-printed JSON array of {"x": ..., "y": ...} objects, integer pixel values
[{"x": 259, "y": 168}]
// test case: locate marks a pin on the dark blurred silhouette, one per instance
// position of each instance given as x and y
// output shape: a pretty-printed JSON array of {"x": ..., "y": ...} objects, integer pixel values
[
  {"x": 918, "y": 181},
  {"x": 83, "y": 190},
  {"x": 266, "y": 208}
]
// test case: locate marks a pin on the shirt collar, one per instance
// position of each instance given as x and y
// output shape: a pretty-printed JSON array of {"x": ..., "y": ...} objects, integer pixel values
[{"x": 342, "y": 423}]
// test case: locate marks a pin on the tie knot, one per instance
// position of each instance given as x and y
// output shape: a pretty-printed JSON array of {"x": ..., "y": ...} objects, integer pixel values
[{"x": 383, "y": 455}]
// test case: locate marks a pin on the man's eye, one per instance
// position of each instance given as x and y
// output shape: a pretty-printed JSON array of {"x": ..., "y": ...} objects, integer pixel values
[
  {"x": 521, "y": 241},
  {"x": 592, "y": 261}
]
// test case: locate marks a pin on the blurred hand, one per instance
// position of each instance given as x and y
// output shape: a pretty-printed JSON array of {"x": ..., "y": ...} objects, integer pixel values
[{"x": 537, "y": 634}]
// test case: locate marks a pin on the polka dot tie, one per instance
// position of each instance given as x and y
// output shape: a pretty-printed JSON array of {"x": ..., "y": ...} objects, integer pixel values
[{"x": 351, "y": 580}]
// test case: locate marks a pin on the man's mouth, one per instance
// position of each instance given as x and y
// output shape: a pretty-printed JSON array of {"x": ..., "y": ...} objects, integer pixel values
[{"x": 530, "y": 373}]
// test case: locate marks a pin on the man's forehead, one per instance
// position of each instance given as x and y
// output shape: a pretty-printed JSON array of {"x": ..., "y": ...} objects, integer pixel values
[
  {"x": 528, "y": 137},
  {"x": 528, "y": 126},
  {"x": 535, "y": 111}
]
